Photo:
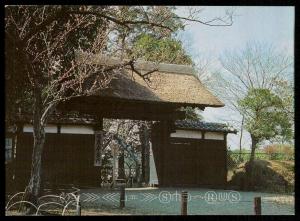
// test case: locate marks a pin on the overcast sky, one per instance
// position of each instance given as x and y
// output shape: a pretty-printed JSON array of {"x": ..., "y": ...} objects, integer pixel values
[{"x": 272, "y": 25}]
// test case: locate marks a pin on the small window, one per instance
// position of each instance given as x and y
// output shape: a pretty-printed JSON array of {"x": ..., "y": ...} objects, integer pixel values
[{"x": 8, "y": 149}]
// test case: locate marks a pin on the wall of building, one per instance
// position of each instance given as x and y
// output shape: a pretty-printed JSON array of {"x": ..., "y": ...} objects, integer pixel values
[
  {"x": 192, "y": 134},
  {"x": 68, "y": 157},
  {"x": 189, "y": 158},
  {"x": 182, "y": 158},
  {"x": 153, "y": 179}
]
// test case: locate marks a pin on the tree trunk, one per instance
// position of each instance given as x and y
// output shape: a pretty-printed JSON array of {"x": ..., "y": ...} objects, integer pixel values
[
  {"x": 121, "y": 165},
  {"x": 145, "y": 139},
  {"x": 137, "y": 173},
  {"x": 249, "y": 169},
  {"x": 34, "y": 187},
  {"x": 114, "y": 165},
  {"x": 242, "y": 126},
  {"x": 253, "y": 147}
]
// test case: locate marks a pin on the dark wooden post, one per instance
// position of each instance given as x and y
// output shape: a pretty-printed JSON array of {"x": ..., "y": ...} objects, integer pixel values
[
  {"x": 257, "y": 205},
  {"x": 98, "y": 145},
  {"x": 164, "y": 147},
  {"x": 98, "y": 130},
  {"x": 131, "y": 181},
  {"x": 122, "y": 196},
  {"x": 184, "y": 199},
  {"x": 226, "y": 160},
  {"x": 145, "y": 139},
  {"x": 18, "y": 130},
  {"x": 78, "y": 207},
  {"x": 121, "y": 164}
]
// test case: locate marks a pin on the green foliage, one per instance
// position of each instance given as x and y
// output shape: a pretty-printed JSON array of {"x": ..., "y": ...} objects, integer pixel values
[
  {"x": 191, "y": 114},
  {"x": 285, "y": 89},
  {"x": 235, "y": 157},
  {"x": 234, "y": 151},
  {"x": 265, "y": 117},
  {"x": 127, "y": 38},
  {"x": 168, "y": 50}
]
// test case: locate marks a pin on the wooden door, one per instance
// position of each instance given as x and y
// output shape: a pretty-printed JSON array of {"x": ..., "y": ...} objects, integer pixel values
[{"x": 180, "y": 164}]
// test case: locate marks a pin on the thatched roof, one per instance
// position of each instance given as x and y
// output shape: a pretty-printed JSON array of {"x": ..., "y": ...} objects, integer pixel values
[{"x": 170, "y": 84}]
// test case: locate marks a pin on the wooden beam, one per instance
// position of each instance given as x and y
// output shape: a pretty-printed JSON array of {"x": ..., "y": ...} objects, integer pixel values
[
  {"x": 99, "y": 125},
  {"x": 124, "y": 110},
  {"x": 177, "y": 115}
]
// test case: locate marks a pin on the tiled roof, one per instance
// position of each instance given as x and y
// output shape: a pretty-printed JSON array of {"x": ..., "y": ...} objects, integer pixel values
[{"x": 201, "y": 125}]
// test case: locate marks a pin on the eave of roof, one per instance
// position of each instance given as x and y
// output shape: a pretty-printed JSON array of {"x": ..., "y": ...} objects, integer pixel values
[
  {"x": 59, "y": 119},
  {"x": 204, "y": 126}
]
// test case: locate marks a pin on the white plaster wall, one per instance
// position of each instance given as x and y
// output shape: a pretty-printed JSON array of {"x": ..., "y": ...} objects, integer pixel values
[
  {"x": 76, "y": 129},
  {"x": 51, "y": 128},
  {"x": 187, "y": 134},
  {"x": 153, "y": 174},
  {"x": 65, "y": 129},
  {"x": 214, "y": 136}
]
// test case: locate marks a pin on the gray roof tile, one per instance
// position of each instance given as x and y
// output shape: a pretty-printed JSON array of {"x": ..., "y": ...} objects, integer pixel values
[{"x": 202, "y": 125}]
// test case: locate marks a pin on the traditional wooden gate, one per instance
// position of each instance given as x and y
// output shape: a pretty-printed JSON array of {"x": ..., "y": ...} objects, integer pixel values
[
  {"x": 189, "y": 158},
  {"x": 191, "y": 162}
]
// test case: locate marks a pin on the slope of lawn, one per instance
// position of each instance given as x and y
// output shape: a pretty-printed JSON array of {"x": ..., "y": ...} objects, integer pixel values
[{"x": 268, "y": 175}]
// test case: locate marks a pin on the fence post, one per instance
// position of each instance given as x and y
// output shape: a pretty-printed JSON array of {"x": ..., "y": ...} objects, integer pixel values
[
  {"x": 257, "y": 205},
  {"x": 131, "y": 181},
  {"x": 184, "y": 199},
  {"x": 122, "y": 196},
  {"x": 78, "y": 206}
]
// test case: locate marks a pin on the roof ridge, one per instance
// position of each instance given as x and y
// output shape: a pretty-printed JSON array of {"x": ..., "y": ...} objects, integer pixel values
[
  {"x": 202, "y": 121},
  {"x": 143, "y": 65}
]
